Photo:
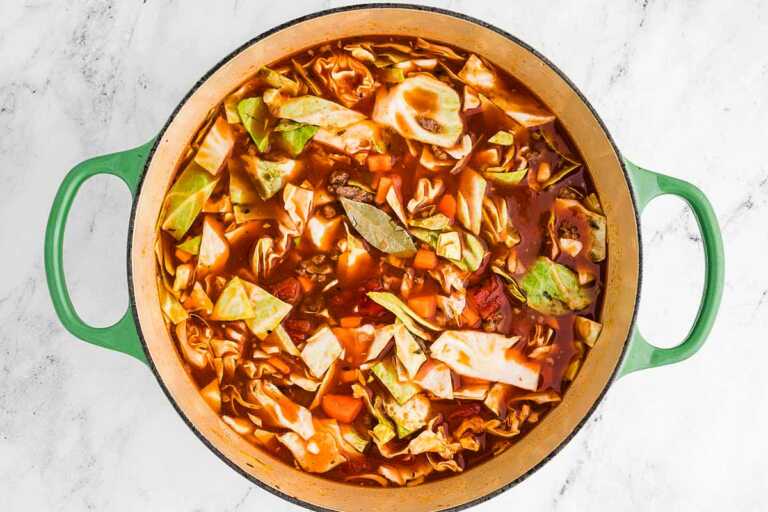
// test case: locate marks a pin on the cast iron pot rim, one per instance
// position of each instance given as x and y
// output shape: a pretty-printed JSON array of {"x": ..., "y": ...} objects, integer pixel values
[{"x": 318, "y": 14}]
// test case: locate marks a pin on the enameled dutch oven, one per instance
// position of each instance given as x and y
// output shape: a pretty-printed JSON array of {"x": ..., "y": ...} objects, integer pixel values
[{"x": 624, "y": 190}]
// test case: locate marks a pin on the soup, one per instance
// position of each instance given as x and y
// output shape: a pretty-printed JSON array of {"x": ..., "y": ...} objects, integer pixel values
[{"x": 381, "y": 260}]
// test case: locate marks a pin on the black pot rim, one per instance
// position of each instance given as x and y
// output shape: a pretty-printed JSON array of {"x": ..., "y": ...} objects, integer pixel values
[{"x": 318, "y": 14}]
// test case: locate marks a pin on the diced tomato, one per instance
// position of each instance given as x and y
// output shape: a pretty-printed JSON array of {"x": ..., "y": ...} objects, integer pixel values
[
  {"x": 298, "y": 328},
  {"x": 485, "y": 297},
  {"x": 492, "y": 303},
  {"x": 342, "y": 407},
  {"x": 288, "y": 290}
]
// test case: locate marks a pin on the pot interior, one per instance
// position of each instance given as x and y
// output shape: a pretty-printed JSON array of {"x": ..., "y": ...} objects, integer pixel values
[{"x": 621, "y": 281}]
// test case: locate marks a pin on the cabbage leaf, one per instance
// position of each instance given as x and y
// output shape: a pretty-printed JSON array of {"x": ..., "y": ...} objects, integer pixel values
[
  {"x": 321, "y": 350},
  {"x": 385, "y": 371},
  {"x": 517, "y": 105},
  {"x": 256, "y": 120},
  {"x": 292, "y": 136},
  {"x": 186, "y": 198},
  {"x": 553, "y": 289},
  {"x": 233, "y": 303},
  {"x": 488, "y": 356},
  {"x": 312, "y": 110},
  {"x": 406, "y": 315},
  {"x": 269, "y": 311}
]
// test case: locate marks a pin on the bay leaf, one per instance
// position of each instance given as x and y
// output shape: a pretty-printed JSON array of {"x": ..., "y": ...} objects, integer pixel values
[{"x": 378, "y": 228}]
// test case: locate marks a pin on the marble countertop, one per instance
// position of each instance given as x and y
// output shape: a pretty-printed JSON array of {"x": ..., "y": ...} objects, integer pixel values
[{"x": 681, "y": 85}]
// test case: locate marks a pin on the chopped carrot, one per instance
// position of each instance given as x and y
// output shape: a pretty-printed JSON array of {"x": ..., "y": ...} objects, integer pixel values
[
  {"x": 469, "y": 317},
  {"x": 425, "y": 259},
  {"x": 279, "y": 364},
  {"x": 306, "y": 283},
  {"x": 447, "y": 206},
  {"x": 381, "y": 193},
  {"x": 342, "y": 407},
  {"x": 391, "y": 180},
  {"x": 351, "y": 321},
  {"x": 424, "y": 305},
  {"x": 348, "y": 376},
  {"x": 380, "y": 163},
  {"x": 183, "y": 256}
]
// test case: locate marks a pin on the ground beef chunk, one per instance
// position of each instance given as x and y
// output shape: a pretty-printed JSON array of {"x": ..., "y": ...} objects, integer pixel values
[
  {"x": 338, "y": 178},
  {"x": 354, "y": 193},
  {"x": 337, "y": 184},
  {"x": 428, "y": 124}
]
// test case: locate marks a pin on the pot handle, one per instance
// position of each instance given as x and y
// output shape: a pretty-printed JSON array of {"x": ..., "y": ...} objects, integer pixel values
[
  {"x": 648, "y": 185},
  {"x": 126, "y": 165}
]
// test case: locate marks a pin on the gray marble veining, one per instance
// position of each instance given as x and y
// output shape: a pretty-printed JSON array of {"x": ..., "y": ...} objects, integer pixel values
[{"x": 683, "y": 88}]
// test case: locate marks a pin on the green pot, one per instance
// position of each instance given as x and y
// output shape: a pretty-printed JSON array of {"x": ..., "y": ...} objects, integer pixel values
[{"x": 624, "y": 188}]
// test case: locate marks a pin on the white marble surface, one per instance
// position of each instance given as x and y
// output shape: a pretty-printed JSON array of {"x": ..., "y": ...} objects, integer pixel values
[{"x": 682, "y": 86}]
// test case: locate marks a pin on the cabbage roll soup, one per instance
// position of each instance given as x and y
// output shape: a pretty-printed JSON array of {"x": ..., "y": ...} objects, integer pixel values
[{"x": 381, "y": 261}]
